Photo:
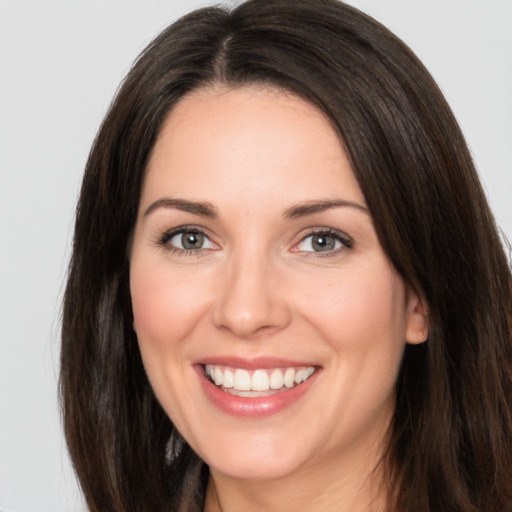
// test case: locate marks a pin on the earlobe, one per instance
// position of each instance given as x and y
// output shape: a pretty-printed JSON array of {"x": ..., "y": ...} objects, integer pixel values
[{"x": 416, "y": 331}]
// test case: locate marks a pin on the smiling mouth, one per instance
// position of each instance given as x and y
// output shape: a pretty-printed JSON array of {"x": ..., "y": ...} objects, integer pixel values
[{"x": 256, "y": 383}]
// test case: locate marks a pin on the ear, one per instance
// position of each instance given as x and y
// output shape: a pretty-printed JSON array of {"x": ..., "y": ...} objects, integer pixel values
[{"x": 416, "y": 330}]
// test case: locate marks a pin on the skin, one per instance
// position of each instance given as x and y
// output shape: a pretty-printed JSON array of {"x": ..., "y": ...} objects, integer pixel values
[{"x": 257, "y": 288}]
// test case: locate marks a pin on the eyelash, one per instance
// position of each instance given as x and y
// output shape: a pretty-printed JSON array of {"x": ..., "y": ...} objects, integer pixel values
[
  {"x": 345, "y": 240},
  {"x": 163, "y": 241}
]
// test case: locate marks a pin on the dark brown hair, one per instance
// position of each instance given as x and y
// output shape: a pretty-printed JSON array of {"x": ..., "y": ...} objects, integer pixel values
[{"x": 450, "y": 446}]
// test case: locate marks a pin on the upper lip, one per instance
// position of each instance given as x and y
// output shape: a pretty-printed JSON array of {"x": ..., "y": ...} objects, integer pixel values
[{"x": 260, "y": 362}]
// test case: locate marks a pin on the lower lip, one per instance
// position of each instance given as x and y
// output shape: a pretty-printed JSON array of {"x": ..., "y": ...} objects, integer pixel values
[{"x": 253, "y": 407}]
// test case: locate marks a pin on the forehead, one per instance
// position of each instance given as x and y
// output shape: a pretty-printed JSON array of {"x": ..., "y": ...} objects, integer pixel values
[{"x": 254, "y": 139}]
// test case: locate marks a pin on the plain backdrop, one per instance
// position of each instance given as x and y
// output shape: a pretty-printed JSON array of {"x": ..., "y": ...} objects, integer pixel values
[{"x": 60, "y": 64}]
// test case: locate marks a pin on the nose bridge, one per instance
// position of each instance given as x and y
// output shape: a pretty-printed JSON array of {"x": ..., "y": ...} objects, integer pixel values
[{"x": 248, "y": 303}]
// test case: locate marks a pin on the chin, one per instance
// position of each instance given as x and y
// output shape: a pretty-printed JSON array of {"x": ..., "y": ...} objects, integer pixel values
[{"x": 265, "y": 459}]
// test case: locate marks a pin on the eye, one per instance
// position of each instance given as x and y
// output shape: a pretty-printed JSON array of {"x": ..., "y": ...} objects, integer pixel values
[
  {"x": 323, "y": 242},
  {"x": 186, "y": 240}
]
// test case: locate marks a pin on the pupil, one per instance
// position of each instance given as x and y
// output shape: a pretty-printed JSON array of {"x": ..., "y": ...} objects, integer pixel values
[
  {"x": 323, "y": 243},
  {"x": 192, "y": 240}
]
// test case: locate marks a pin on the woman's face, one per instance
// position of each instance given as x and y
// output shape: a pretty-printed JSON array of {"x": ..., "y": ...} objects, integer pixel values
[{"x": 255, "y": 264}]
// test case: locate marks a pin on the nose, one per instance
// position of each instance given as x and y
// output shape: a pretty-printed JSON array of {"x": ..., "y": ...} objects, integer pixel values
[{"x": 252, "y": 299}]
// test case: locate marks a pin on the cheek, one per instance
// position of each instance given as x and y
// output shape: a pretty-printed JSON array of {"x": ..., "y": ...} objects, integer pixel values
[
  {"x": 360, "y": 310},
  {"x": 166, "y": 305}
]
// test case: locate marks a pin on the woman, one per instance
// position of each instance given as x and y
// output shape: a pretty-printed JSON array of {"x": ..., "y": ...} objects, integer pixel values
[{"x": 287, "y": 288}]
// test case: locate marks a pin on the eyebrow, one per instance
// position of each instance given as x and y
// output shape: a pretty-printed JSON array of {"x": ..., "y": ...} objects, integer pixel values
[
  {"x": 208, "y": 210},
  {"x": 312, "y": 207},
  {"x": 196, "y": 207}
]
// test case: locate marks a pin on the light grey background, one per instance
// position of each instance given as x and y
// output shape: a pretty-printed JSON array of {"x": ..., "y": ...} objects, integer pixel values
[{"x": 60, "y": 64}]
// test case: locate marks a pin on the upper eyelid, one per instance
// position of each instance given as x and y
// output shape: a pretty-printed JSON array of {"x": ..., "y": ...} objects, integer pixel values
[
  {"x": 186, "y": 227},
  {"x": 324, "y": 230}
]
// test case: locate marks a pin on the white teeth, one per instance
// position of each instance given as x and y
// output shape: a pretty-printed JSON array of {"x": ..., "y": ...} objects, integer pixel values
[
  {"x": 276, "y": 379},
  {"x": 299, "y": 376},
  {"x": 217, "y": 376},
  {"x": 289, "y": 376},
  {"x": 242, "y": 380},
  {"x": 229, "y": 378},
  {"x": 260, "y": 380},
  {"x": 308, "y": 372}
]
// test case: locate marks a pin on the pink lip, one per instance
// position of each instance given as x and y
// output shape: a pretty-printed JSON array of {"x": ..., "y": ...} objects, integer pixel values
[
  {"x": 254, "y": 407},
  {"x": 254, "y": 363}
]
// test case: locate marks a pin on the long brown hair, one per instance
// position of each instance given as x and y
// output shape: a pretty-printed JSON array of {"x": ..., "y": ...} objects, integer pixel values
[{"x": 450, "y": 446}]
